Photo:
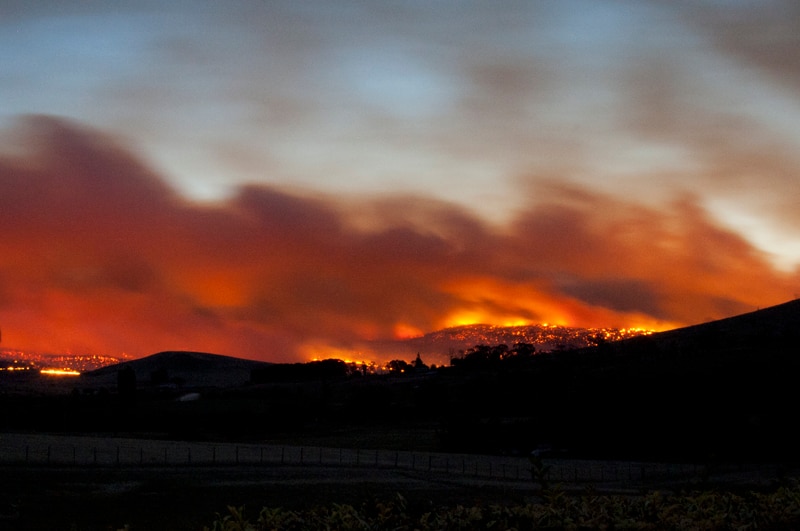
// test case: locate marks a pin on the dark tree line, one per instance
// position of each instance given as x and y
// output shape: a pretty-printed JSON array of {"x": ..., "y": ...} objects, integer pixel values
[
  {"x": 486, "y": 357},
  {"x": 323, "y": 370}
]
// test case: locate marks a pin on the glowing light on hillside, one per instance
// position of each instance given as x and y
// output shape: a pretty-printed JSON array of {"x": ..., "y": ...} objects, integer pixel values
[
  {"x": 635, "y": 330},
  {"x": 644, "y": 326},
  {"x": 320, "y": 352},
  {"x": 59, "y": 372}
]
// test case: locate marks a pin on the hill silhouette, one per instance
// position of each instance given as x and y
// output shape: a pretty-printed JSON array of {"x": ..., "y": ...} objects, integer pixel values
[
  {"x": 190, "y": 369},
  {"x": 779, "y": 323},
  {"x": 723, "y": 389}
]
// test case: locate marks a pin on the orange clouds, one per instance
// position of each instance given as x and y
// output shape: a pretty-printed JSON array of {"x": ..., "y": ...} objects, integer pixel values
[{"x": 98, "y": 255}]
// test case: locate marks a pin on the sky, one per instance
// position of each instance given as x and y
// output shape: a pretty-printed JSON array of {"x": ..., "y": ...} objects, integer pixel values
[{"x": 285, "y": 180}]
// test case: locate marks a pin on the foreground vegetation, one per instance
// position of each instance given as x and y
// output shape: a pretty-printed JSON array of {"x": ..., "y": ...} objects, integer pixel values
[{"x": 712, "y": 510}]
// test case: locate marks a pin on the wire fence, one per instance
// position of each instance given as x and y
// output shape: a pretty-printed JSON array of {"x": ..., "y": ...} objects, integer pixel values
[{"x": 66, "y": 451}]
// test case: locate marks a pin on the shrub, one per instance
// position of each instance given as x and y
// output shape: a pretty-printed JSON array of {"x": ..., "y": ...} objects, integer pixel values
[{"x": 694, "y": 510}]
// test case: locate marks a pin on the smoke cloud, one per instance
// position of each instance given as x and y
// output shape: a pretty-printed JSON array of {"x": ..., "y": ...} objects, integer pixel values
[{"x": 99, "y": 255}]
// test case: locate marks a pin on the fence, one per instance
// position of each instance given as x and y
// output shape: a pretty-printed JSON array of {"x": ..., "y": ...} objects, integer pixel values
[
  {"x": 76, "y": 451},
  {"x": 46, "y": 450}
]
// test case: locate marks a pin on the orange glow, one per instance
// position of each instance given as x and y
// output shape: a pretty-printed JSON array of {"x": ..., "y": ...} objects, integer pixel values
[
  {"x": 405, "y": 331},
  {"x": 318, "y": 351},
  {"x": 499, "y": 303},
  {"x": 464, "y": 318},
  {"x": 220, "y": 288}
]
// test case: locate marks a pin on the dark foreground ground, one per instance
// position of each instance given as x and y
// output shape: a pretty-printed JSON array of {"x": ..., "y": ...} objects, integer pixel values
[
  {"x": 73, "y": 491},
  {"x": 183, "y": 498},
  {"x": 80, "y": 483}
]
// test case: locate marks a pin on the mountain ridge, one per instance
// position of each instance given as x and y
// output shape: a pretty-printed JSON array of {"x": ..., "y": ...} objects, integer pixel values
[{"x": 765, "y": 324}]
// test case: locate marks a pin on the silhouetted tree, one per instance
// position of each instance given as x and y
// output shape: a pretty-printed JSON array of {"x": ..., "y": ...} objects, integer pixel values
[
  {"x": 523, "y": 350},
  {"x": 483, "y": 357},
  {"x": 500, "y": 352},
  {"x": 320, "y": 370},
  {"x": 478, "y": 355},
  {"x": 397, "y": 366}
]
